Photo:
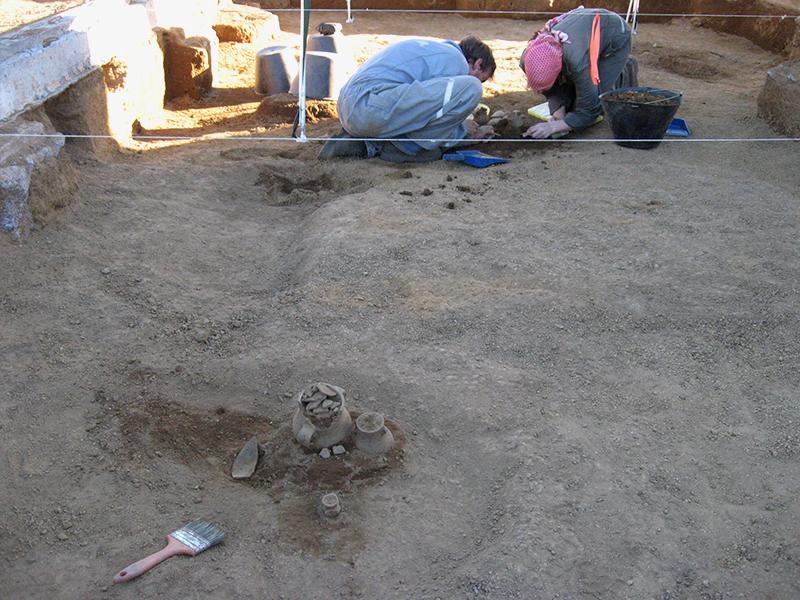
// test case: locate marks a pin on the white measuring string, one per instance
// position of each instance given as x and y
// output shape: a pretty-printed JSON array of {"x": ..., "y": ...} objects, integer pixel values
[
  {"x": 535, "y": 12},
  {"x": 263, "y": 138}
]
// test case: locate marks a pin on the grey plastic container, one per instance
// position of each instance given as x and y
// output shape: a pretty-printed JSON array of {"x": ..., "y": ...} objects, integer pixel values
[
  {"x": 327, "y": 43},
  {"x": 276, "y": 68},
  {"x": 326, "y": 74}
]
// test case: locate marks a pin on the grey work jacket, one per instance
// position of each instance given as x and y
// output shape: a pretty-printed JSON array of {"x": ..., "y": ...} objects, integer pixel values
[{"x": 574, "y": 88}]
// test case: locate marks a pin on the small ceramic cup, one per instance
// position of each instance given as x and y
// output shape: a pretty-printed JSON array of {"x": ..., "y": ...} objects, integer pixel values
[
  {"x": 330, "y": 506},
  {"x": 372, "y": 436}
]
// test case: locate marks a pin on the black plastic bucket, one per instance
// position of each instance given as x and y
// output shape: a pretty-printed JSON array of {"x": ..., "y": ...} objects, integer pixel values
[{"x": 640, "y": 113}]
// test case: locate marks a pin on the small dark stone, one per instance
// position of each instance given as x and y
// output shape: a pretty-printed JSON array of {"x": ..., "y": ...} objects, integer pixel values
[
  {"x": 427, "y": 192},
  {"x": 406, "y": 193},
  {"x": 450, "y": 205},
  {"x": 329, "y": 28}
]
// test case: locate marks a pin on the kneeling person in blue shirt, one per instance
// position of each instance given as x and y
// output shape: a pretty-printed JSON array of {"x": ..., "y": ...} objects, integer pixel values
[{"x": 416, "y": 89}]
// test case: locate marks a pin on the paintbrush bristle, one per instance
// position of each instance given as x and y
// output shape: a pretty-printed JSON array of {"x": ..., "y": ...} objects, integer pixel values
[{"x": 199, "y": 535}]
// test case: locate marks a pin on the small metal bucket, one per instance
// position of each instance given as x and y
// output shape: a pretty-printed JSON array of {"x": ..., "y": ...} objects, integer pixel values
[{"x": 276, "y": 68}]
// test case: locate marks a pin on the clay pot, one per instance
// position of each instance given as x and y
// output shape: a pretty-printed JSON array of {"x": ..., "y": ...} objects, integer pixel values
[
  {"x": 276, "y": 67},
  {"x": 372, "y": 436},
  {"x": 321, "y": 431},
  {"x": 330, "y": 506}
]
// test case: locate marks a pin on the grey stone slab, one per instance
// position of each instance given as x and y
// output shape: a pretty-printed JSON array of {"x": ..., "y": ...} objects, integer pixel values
[
  {"x": 246, "y": 461},
  {"x": 779, "y": 101},
  {"x": 15, "y": 215},
  {"x": 19, "y": 158}
]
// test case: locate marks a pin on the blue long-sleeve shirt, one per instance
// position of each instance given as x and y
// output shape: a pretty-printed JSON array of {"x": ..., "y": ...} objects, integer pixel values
[{"x": 403, "y": 62}]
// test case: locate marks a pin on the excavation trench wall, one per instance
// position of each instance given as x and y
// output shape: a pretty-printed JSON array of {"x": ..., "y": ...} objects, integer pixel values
[{"x": 777, "y": 35}]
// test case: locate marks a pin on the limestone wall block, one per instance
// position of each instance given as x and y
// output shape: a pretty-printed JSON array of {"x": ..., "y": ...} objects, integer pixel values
[
  {"x": 779, "y": 101},
  {"x": 187, "y": 65},
  {"x": 245, "y": 24}
]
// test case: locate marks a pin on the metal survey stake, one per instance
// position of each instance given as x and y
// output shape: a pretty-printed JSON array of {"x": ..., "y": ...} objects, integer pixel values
[{"x": 301, "y": 92}]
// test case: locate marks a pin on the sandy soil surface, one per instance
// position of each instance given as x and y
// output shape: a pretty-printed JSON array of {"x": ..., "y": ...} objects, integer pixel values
[
  {"x": 14, "y": 13},
  {"x": 590, "y": 355}
]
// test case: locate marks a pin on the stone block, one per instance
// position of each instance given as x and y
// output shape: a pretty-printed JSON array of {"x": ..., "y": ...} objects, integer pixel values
[
  {"x": 109, "y": 100},
  {"x": 42, "y": 59},
  {"x": 187, "y": 65},
  {"x": 794, "y": 45},
  {"x": 195, "y": 18},
  {"x": 15, "y": 215},
  {"x": 779, "y": 101},
  {"x": 135, "y": 87},
  {"x": 35, "y": 176},
  {"x": 246, "y": 25}
]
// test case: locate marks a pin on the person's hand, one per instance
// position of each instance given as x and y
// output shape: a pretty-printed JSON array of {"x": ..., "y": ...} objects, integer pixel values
[
  {"x": 472, "y": 128},
  {"x": 542, "y": 131}
]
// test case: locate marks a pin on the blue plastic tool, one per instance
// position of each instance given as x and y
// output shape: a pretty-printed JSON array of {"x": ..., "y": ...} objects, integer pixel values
[
  {"x": 474, "y": 158},
  {"x": 678, "y": 128}
]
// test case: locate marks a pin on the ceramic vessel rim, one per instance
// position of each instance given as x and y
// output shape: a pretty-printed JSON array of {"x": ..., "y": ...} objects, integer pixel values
[{"x": 370, "y": 422}]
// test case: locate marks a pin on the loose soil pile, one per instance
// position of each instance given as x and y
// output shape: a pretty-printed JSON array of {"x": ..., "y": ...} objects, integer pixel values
[
  {"x": 639, "y": 98},
  {"x": 282, "y": 108},
  {"x": 592, "y": 351}
]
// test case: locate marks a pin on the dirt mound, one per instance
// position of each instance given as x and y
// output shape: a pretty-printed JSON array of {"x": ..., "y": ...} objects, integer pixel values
[
  {"x": 288, "y": 183},
  {"x": 150, "y": 427},
  {"x": 282, "y": 108},
  {"x": 694, "y": 64},
  {"x": 246, "y": 24}
]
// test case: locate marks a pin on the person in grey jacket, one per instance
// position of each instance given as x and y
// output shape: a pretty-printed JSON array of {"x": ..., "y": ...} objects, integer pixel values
[
  {"x": 418, "y": 89},
  {"x": 574, "y": 59}
]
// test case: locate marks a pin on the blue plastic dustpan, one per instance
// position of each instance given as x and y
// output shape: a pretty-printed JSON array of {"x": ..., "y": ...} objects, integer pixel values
[
  {"x": 678, "y": 128},
  {"x": 475, "y": 158}
]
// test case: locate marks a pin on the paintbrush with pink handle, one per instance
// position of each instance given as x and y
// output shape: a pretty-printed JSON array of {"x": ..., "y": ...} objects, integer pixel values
[{"x": 190, "y": 539}]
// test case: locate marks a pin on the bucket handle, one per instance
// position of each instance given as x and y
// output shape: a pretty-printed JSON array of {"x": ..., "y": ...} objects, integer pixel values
[{"x": 678, "y": 95}]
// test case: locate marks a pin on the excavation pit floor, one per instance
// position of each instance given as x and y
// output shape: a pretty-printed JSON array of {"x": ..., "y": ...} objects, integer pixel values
[{"x": 592, "y": 351}]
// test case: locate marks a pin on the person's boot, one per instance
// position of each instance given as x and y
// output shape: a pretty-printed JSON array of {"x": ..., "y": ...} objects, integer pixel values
[
  {"x": 392, "y": 153},
  {"x": 342, "y": 146}
]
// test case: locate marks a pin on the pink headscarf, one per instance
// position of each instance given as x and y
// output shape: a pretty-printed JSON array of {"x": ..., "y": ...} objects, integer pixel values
[
  {"x": 543, "y": 60},
  {"x": 544, "y": 55}
]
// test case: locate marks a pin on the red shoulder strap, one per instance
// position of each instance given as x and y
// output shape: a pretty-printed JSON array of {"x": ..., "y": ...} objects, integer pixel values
[{"x": 594, "y": 50}]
